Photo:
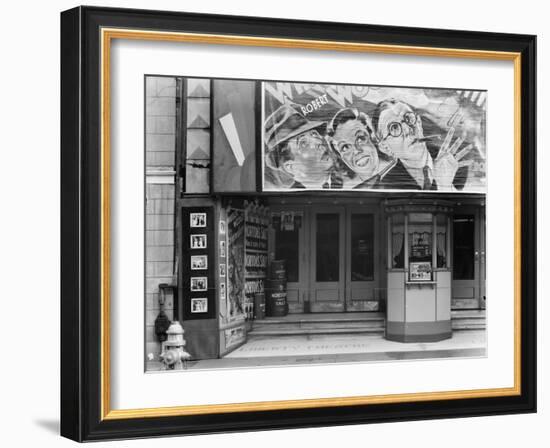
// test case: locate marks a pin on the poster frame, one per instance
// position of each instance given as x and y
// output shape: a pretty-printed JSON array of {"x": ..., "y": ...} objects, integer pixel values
[{"x": 86, "y": 35}]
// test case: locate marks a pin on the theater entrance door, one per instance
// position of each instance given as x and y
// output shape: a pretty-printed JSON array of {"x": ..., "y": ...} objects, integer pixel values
[
  {"x": 327, "y": 259},
  {"x": 469, "y": 258},
  {"x": 330, "y": 254}
]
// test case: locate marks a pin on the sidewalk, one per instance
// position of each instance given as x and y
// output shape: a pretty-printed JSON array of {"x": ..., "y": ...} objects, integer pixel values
[{"x": 324, "y": 349}]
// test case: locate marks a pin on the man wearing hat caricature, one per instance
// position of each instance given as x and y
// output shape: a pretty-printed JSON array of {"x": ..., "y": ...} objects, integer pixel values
[
  {"x": 400, "y": 135},
  {"x": 296, "y": 154}
]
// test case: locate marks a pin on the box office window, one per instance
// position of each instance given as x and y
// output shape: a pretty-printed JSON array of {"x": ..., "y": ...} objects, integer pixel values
[
  {"x": 362, "y": 247},
  {"x": 420, "y": 237}
]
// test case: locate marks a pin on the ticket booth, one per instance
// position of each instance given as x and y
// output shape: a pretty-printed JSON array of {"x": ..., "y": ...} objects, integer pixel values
[{"x": 419, "y": 270}]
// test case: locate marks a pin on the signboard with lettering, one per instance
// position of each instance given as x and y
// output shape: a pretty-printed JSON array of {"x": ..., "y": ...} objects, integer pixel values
[
  {"x": 256, "y": 236},
  {"x": 420, "y": 271}
]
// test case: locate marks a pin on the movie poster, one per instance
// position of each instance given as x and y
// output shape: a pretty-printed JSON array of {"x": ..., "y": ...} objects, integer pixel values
[
  {"x": 256, "y": 240},
  {"x": 322, "y": 136},
  {"x": 235, "y": 263}
]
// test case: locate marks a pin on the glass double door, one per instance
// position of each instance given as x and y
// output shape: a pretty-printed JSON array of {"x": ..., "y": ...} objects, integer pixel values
[
  {"x": 469, "y": 256},
  {"x": 330, "y": 258}
]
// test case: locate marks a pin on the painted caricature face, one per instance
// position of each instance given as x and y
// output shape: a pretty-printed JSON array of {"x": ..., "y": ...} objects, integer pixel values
[
  {"x": 311, "y": 159},
  {"x": 355, "y": 147},
  {"x": 400, "y": 132}
]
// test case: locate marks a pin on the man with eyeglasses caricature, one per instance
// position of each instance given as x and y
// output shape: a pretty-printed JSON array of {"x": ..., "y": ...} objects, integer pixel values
[{"x": 400, "y": 135}]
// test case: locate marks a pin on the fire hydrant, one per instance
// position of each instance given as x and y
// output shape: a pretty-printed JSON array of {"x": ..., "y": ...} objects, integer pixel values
[{"x": 174, "y": 356}]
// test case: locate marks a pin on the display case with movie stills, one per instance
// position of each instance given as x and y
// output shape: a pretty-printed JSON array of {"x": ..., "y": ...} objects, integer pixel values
[
  {"x": 197, "y": 280},
  {"x": 197, "y": 263}
]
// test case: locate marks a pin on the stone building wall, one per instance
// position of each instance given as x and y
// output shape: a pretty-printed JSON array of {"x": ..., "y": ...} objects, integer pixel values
[{"x": 160, "y": 152}]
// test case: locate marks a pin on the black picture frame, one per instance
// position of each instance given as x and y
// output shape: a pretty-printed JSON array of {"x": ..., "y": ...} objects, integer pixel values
[{"x": 83, "y": 411}]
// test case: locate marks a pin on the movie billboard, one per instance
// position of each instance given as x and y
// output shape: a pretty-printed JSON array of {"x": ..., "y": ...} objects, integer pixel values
[{"x": 352, "y": 137}]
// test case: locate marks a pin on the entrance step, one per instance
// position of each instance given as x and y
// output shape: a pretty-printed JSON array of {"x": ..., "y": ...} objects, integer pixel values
[
  {"x": 315, "y": 331},
  {"x": 349, "y": 323},
  {"x": 468, "y": 320},
  {"x": 319, "y": 323}
]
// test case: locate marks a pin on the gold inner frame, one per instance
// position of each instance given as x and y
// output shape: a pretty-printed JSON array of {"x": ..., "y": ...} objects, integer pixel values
[{"x": 107, "y": 35}]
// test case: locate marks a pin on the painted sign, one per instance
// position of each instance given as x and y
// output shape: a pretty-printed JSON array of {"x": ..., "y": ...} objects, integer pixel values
[
  {"x": 323, "y": 136},
  {"x": 235, "y": 263},
  {"x": 256, "y": 237},
  {"x": 420, "y": 271}
]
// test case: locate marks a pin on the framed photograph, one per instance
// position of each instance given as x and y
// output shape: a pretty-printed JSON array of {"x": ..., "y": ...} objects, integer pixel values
[
  {"x": 198, "y": 241},
  {"x": 197, "y": 220},
  {"x": 199, "y": 284},
  {"x": 199, "y": 305},
  {"x": 375, "y": 187},
  {"x": 199, "y": 262}
]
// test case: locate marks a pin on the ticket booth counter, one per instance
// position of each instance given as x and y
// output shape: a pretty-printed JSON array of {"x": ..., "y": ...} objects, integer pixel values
[{"x": 419, "y": 271}]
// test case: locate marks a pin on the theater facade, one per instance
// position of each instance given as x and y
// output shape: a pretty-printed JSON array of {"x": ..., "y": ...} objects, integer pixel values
[{"x": 359, "y": 199}]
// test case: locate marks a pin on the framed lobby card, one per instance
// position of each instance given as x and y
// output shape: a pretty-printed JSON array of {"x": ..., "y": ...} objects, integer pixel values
[{"x": 256, "y": 209}]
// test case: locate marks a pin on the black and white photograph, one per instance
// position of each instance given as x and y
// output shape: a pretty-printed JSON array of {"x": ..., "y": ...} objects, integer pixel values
[
  {"x": 199, "y": 305},
  {"x": 198, "y": 241},
  {"x": 199, "y": 284},
  {"x": 198, "y": 220},
  {"x": 354, "y": 233},
  {"x": 199, "y": 262}
]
